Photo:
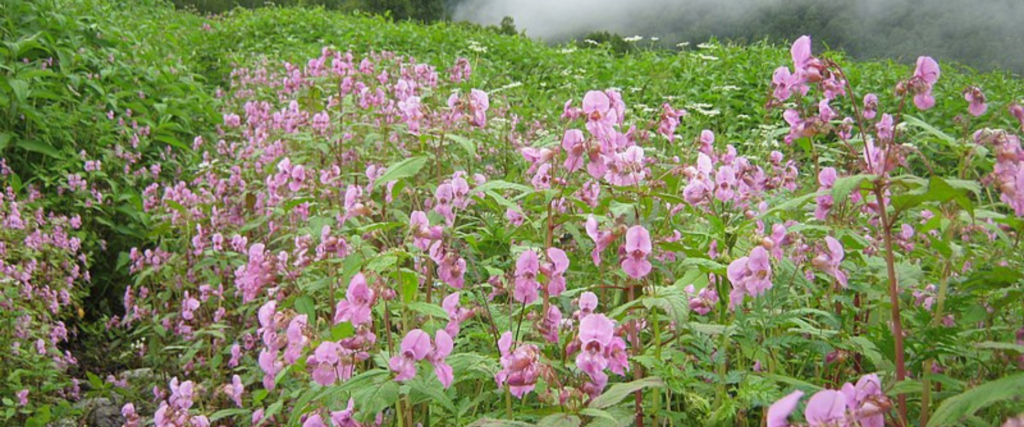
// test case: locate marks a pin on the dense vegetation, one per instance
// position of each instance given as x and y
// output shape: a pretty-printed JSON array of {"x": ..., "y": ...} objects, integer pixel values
[{"x": 294, "y": 216}]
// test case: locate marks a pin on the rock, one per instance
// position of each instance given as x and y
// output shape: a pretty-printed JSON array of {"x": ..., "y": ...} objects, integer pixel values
[{"x": 101, "y": 412}]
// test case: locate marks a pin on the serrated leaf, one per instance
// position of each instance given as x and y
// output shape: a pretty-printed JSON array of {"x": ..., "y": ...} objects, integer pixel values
[
  {"x": 559, "y": 420},
  {"x": 843, "y": 186},
  {"x": 963, "y": 405},
  {"x": 305, "y": 304},
  {"x": 403, "y": 169},
  {"x": 617, "y": 392},
  {"x": 492, "y": 422}
]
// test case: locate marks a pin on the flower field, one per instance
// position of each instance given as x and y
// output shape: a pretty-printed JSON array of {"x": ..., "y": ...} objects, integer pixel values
[{"x": 295, "y": 217}]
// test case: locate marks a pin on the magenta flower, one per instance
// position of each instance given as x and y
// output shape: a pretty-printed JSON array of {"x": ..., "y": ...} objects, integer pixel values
[
  {"x": 829, "y": 261},
  {"x": 826, "y": 179},
  {"x": 355, "y": 308},
  {"x": 573, "y": 143},
  {"x": 423, "y": 234},
  {"x": 527, "y": 268},
  {"x": 750, "y": 275},
  {"x": 638, "y": 246},
  {"x": 324, "y": 361},
  {"x": 478, "y": 105},
  {"x": 626, "y": 168},
  {"x": 778, "y": 413},
  {"x": 555, "y": 270},
  {"x": 520, "y": 368},
  {"x": 600, "y": 349},
  {"x": 782, "y": 81},
  {"x": 415, "y": 347},
  {"x": 550, "y": 324},
  {"x": 23, "y": 397},
  {"x": 443, "y": 197},
  {"x": 344, "y": 418},
  {"x": 443, "y": 345},
  {"x": 925, "y": 75},
  {"x": 976, "y": 98},
  {"x": 602, "y": 239},
  {"x": 236, "y": 389},
  {"x": 451, "y": 268},
  {"x": 601, "y": 116},
  {"x": 456, "y": 314},
  {"x": 826, "y": 408},
  {"x": 870, "y": 106},
  {"x": 725, "y": 179},
  {"x": 588, "y": 303},
  {"x": 314, "y": 420},
  {"x": 296, "y": 338}
]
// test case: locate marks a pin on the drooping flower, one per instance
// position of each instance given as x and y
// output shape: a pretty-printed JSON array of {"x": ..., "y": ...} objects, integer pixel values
[
  {"x": 826, "y": 408},
  {"x": 356, "y": 306},
  {"x": 830, "y": 260},
  {"x": 750, "y": 276},
  {"x": 925, "y": 75},
  {"x": 870, "y": 106},
  {"x": 344, "y": 418},
  {"x": 638, "y": 246},
  {"x": 976, "y": 98},
  {"x": 520, "y": 368},
  {"x": 443, "y": 345},
  {"x": 422, "y": 232},
  {"x": 602, "y": 239},
  {"x": 778, "y": 412},
  {"x": 415, "y": 347},
  {"x": 555, "y": 270},
  {"x": 527, "y": 268}
]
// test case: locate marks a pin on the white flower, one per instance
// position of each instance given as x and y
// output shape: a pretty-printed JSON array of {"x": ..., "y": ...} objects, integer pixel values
[{"x": 633, "y": 39}]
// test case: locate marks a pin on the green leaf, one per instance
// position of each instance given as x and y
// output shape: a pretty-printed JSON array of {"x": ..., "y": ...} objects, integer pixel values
[
  {"x": 229, "y": 412},
  {"x": 847, "y": 184},
  {"x": 939, "y": 190},
  {"x": 1004, "y": 346},
  {"x": 617, "y": 392},
  {"x": 428, "y": 309},
  {"x": 305, "y": 304},
  {"x": 916, "y": 122},
  {"x": 466, "y": 143},
  {"x": 492, "y": 422},
  {"x": 599, "y": 413},
  {"x": 342, "y": 330},
  {"x": 559, "y": 420},
  {"x": 403, "y": 169},
  {"x": 956, "y": 408},
  {"x": 374, "y": 399},
  {"x": 39, "y": 147}
]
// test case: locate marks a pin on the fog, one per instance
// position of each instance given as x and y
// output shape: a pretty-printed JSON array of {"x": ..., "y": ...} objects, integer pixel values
[{"x": 985, "y": 34}]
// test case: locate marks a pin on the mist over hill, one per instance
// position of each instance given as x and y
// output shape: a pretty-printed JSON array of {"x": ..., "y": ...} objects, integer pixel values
[{"x": 984, "y": 34}]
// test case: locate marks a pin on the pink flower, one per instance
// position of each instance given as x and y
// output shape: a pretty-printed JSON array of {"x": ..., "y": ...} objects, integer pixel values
[
  {"x": 23, "y": 397},
  {"x": 550, "y": 324},
  {"x": 925, "y": 75},
  {"x": 555, "y": 270},
  {"x": 423, "y": 234},
  {"x": 626, "y": 168},
  {"x": 314, "y": 420},
  {"x": 750, "y": 275},
  {"x": 527, "y": 268},
  {"x": 870, "y": 106},
  {"x": 779, "y": 412},
  {"x": 456, "y": 314},
  {"x": 601, "y": 117},
  {"x": 602, "y": 239},
  {"x": 236, "y": 389},
  {"x": 829, "y": 261},
  {"x": 638, "y": 246},
  {"x": 573, "y": 144},
  {"x": 296, "y": 338},
  {"x": 520, "y": 368},
  {"x": 600, "y": 349},
  {"x": 443, "y": 345},
  {"x": 324, "y": 361},
  {"x": 976, "y": 98},
  {"x": 478, "y": 105},
  {"x": 415, "y": 347},
  {"x": 344, "y": 418},
  {"x": 356, "y": 306},
  {"x": 826, "y": 408}
]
